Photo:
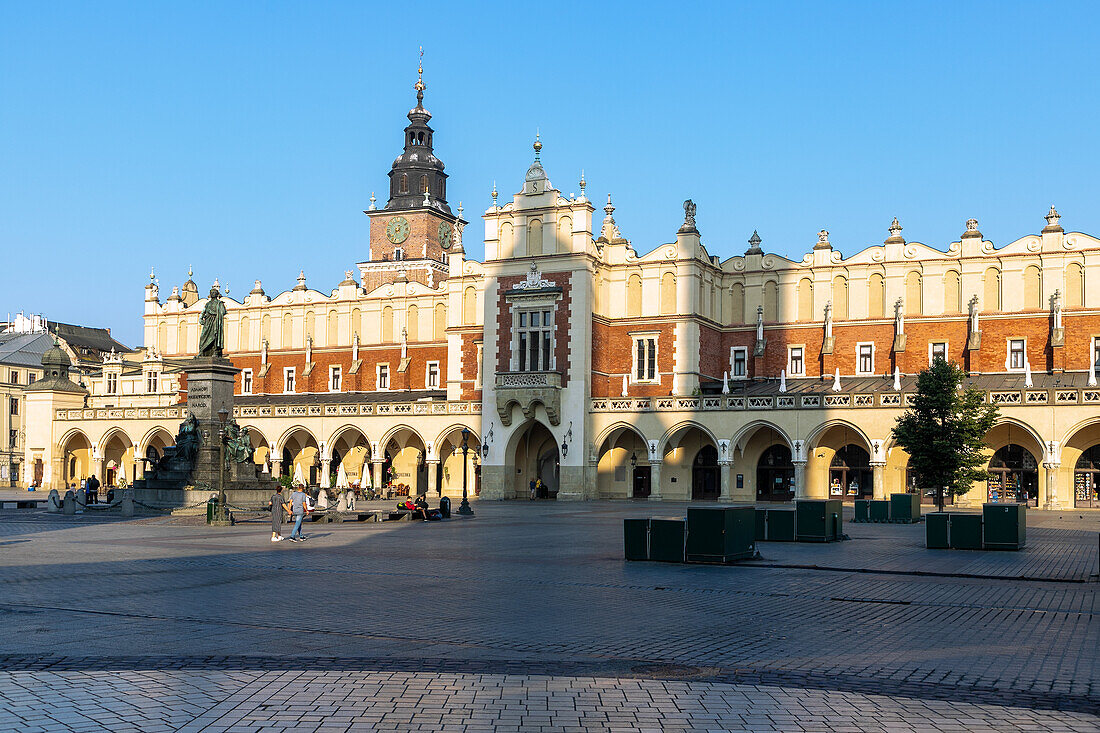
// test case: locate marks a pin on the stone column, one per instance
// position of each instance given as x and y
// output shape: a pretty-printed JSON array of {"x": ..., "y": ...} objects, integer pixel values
[
  {"x": 800, "y": 480},
  {"x": 1051, "y": 501},
  {"x": 654, "y": 480},
  {"x": 878, "y": 473},
  {"x": 139, "y": 470},
  {"x": 376, "y": 470},
  {"x": 326, "y": 472},
  {"x": 433, "y": 474},
  {"x": 98, "y": 471},
  {"x": 725, "y": 469}
]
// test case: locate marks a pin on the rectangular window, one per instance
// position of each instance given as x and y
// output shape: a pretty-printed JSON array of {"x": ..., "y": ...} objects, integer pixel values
[
  {"x": 112, "y": 383},
  {"x": 31, "y": 376},
  {"x": 382, "y": 377},
  {"x": 334, "y": 379},
  {"x": 246, "y": 381},
  {"x": 1096, "y": 354},
  {"x": 14, "y": 377},
  {"x": 535, "y": 340},
  {"x": 14, "y": 406},
  {"x": 431, "y": 377},
  {"x": 795, "y": 365},
  {"x": 288, "y": 379},
  {"x": 645, "y": 359},
  {"x": 739, "y": 360},
  {"x": 937, "y": 350},
  {"x": 1016, "y": 353},
  {"x": 866, "y": 361},
  {"x": 152, "y": 382}
]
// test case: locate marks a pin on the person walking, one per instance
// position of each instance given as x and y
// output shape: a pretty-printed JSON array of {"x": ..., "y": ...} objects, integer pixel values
[
  {"x": 278, "y": 508},
  {"x": 298, "y": 510}
]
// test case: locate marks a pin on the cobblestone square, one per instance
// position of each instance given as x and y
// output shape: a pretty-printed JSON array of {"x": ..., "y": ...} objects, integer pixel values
[{"x": 526, "y": 617}]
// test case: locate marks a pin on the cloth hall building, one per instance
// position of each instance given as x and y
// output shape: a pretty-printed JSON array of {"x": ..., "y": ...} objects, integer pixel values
[{"x": 614, "y": 369}]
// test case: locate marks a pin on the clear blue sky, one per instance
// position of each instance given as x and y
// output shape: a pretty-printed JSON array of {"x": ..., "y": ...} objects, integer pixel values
[{"x": 245, "y": 138}]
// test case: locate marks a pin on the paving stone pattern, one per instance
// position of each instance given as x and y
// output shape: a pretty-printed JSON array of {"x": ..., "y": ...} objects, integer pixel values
[{"x": 526, "y": 617}]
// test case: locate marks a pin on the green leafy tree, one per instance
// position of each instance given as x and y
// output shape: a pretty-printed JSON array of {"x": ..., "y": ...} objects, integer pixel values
[{"x": 944, "y": 431}]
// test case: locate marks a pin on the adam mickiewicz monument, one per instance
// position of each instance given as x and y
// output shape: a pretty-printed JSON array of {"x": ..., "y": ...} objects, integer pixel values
[{"x": 193, "y": 463}]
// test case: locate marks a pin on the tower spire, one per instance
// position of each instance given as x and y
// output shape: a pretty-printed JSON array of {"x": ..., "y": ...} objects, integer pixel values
[{"x": 420, "y": 86}]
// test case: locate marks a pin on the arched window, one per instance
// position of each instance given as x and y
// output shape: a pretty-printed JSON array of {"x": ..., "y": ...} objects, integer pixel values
[
  {"x": 737, "y": 311},
  {"x": 505, "y": 240},
  {"x": 356, "y": 321},
  {"x": 162, "y": 337},
  {"x": 805, "y": 299},
  {"x": 440, "y": 330},
  {"x": 1033, "y": 288},
  {"x": 469, "y": 306},
  {"x": 1013, "y": 476},
  {"x": 840, "y": 297},
  {"x": 991, "y": 284},
  {"x": 634, "y": 296},
  {"x": 387, "y": 325},
  {"x": 309, "y": 327},
  {"x": 534, "y": 238},
  {"x": 412, "y": 323},
  {"x": 914, "y": 297},
  {"x": 775, "y": 474},
  {"x": 565, "y": 234},
  {"x": 242, "y": 335},
  {"x": 952, "y": 293},
  {"x": 288, "y": 331},
  {"x": 331, "y": 329},
  {"x": 404, "y": 183},
  {"x": 1075, "y": 286},
  {"x": 265, "y": 328},
  {"x": 668, "y": 293},
  {"x": 876, "y": 296},
  {"x": 771, "y": 301},
  {"x": 423, "y": 184}
]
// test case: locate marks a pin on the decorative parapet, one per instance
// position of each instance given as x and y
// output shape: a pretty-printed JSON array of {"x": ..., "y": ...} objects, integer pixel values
[{"x": 255, "y": 411}]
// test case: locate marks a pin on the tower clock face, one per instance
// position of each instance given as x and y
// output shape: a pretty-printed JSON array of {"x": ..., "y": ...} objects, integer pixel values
[
  {"x": 397, "y": 229},
  {"x": 445, "y": 235}
]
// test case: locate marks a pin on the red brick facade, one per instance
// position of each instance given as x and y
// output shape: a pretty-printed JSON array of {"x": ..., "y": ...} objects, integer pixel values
[{"x": 562, "y": 320}]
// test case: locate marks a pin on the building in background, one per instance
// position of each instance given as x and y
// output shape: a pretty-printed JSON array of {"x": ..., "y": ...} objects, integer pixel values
[{"x": 611, "y": 370}]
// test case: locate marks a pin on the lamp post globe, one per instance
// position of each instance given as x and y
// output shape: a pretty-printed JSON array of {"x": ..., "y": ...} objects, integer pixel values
[{"x": 465, "y": 508}]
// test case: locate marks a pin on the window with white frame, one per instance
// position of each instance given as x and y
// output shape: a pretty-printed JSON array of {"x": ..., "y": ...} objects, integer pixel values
[
  {"x": 1016, "y": 353},
  {"x": 535, "y": 340},
  {"x": 288, "y": 379},
  {"x": 382, "y": 376},
  {"x": 1096, "y": 353},
  {"x": 334, "y": 377},
  {"x": 246, "y": 381},
  {"x": 865, "y": 358},
  {"x": 431, "y": 375},
  {"x": 152, "y": 382},
  {"x": 796, "y": 366},
  {"x": 937, "y": 350},
  {"x": 739, "y": 361},
  {"x": 644, "y": 357},
  {"x": 398, "y": 253},
  {"x": 14, "y": 377},
  {"x": 112, "y": 383}
]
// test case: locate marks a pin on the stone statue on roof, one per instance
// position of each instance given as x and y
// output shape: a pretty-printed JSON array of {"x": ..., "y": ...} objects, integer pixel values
[{"x": 212, "y": 321}]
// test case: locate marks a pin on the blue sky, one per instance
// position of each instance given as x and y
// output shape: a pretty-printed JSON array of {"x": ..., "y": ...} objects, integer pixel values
[{"x": 245, "y": 138}]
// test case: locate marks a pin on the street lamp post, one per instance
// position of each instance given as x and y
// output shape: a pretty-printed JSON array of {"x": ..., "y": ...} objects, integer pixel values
[
  {"x": 223, "y": 515},
  {"x": 465, "y": 508}
]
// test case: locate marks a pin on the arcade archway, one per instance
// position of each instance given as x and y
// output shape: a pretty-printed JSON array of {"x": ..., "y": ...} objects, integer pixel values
[{"x": 537, "y": 463}]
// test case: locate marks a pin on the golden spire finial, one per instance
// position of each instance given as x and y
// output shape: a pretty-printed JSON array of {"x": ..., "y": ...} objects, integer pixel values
[{"x": 420, "y": 86}]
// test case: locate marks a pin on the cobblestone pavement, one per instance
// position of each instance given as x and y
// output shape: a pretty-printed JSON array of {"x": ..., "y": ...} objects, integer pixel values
[{"x": 526, "y": 617}]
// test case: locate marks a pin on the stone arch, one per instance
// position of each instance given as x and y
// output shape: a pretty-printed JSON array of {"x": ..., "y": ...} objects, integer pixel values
[
  {"x": 157, "y": 437},
  {"x": 840, "y": 298},
  {"x": 1033, "y": 288},
  {"x": 991, "y": 289},
  {"x": 689, "y": 454},
  {"x": 737, "y": 310},
  {"x": 747, "y": 431},
  {"x": 349, "y": 446},
  {"x": 1075, "y": 285},
  {"x": 298, "y": 450},
  {"x": 448, "y": 453},
  {"x": 116, "y": 448},
  {"x": 876, "y": 296},
  {"x": 823, "y": 444},
  {"x": 75, "y": 449},
  {"x": 261, "y": 447},
  {"x": 507, "y": 237},
  {"x": 617, "y": 477},
  {"x": 753, "y": 450},
  {"x": 952, "y": 292},
  {"x": 532, "y": 448},
  {"x": 914, "y": 293},
  {"x": 404, "y": 454},
  {"x": 565, "y": 234},
  {"x": 680, "y": 427},
  {"x": 771, "y": 301}
]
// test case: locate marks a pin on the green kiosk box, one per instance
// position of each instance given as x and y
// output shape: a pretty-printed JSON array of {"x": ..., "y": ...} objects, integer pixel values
[
  {"x": 905, "y": 508},
  {"x": 1004, "y": 526},
  {"x": 636, "y": 538},
  {"x": 720, "y": 534},
  {"x": 937, "y": 530},
  {"x": 879, "y": 510},
  {"x": 965, "y": 532},
  {"x": 780, "y": 525},
  {"x": 666, "y": 540},
  {"x": 863, "y": 511},
  {"x": 818, "y": 520}
]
